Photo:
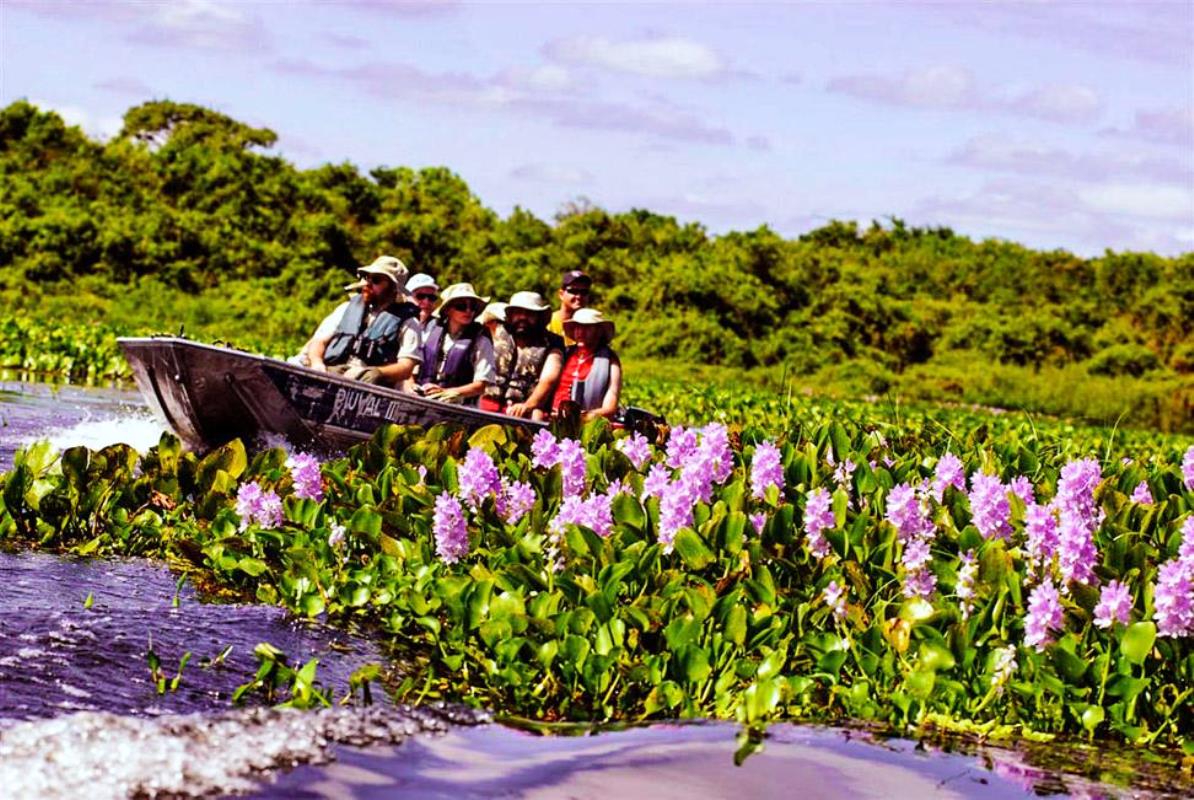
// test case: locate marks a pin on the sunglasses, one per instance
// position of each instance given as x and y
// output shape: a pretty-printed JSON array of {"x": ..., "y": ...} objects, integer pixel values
[
  {"x": 428, "y": 296},
  {"x": 469, "y": 307},
  {"x": 577, "y": 291},
  {"x": 377, "y": 280}
]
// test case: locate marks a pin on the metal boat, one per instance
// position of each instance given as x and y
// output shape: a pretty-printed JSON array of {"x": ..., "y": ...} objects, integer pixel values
[{"x": 210, "y": 394}]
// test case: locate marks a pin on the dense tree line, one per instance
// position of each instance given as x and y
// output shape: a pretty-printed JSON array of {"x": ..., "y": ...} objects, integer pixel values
[{"x": 187, "y": 206}]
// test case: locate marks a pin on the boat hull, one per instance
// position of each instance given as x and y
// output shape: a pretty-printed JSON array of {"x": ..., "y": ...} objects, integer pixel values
[{"x": 209, "y": 395}]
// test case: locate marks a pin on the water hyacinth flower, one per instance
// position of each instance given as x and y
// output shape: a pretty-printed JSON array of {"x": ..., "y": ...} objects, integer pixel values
[
  {"x": 1115, "y": 605},
  {"x": 1075, "y": 492},
  {"x": 949, "y": 472},
  {"x": 715, "y": 449},
  {"x": 758, "y": 521},
  {"x": 1040, "y": 529},
  {"x": 254, "y": 505},
  {"x": 1173, "y": 593},
  {"x": 1188, "y": 468},
  {"x": 835, "y": 597},
  {"x": 1185, "y": 553},
  {"x": 572, "y": 466},
  {"x": 1004, "y": 668},
  {"x": 675, "y": 512},
  {"x": 844, "y": 472},
  {"x": 681, "y": 445},
  {"x": 1076, "y": 551},
  {"x": 336, "y": 537},
  {"x": 1044, "y": 616},
  {"x": 920, "y": 583},
  {"x": 636, "y": 448},
  {"x": 658, "y": 479},
  {"x": 818, "y": 516},
  {"x": 308, "y": 482},
  {"x": 989, "y": 507},
  {"x": 1022, "y": 488},
  {"x": 514, "y": 500},
  {"x": 451, "y": 531},
  {"x": 1142, "y": 495},
  {"x": 907, "y": 514},
  {"x": 965, "y": 588},
  {"x": 545, "y": 450},
  {"x": 478, "y": 477},
  {"x": 593, "y": 513},
  {"x": 620, "y": 486}
]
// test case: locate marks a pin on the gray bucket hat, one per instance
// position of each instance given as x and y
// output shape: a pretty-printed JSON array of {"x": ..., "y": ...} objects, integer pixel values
[{"x": 390, "y": 267}]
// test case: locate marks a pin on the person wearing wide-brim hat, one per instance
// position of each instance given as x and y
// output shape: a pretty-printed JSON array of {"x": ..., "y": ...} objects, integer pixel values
[
  {"x": 592, "y": 373},
  {"x": 362, "y": 336},
  {"x": 527, "y": 359},
  {"x": 454, "y": 361}
]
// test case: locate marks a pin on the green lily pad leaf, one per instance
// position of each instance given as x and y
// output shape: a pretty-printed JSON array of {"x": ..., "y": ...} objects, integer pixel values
[
  {"x": 1092, "y": 717},
  {"x": 252, "y": 567},
  {"x": 1138, "y": 641}
]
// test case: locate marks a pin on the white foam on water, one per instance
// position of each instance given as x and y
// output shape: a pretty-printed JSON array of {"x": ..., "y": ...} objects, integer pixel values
[
  {"x": 139, "y": 431},
  {"x": 102, "y": 755}
]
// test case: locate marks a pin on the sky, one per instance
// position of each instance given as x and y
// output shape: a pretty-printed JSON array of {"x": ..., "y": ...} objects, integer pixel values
[{"x": 1053, "y": 124}]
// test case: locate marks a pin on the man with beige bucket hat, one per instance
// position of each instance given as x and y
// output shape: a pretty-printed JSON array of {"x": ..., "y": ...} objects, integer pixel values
[
  {"x": 361, "y": 337},
  {"x": 527, "y": 359}
]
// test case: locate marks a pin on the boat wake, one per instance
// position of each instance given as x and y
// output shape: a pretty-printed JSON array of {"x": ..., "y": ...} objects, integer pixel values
[{"x": 105, "y": 755}]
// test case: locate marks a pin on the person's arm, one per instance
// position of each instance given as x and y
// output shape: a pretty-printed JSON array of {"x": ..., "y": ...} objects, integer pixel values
[
  {"x": 410, "y": 354},
  {"x": 609, "y": 405},
  {"x": 323, "y": 336},
  {"x": 548, "y": 377}
]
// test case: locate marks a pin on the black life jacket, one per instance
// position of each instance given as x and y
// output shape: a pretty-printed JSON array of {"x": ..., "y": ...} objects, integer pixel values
[
  {"x": 376, "y": 345},
  {"x": 518, "y": 368},
  {"x": 456, "y": 366}
]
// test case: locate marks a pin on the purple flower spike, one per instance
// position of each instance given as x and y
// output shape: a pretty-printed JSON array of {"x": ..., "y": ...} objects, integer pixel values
[
  {"x": 1044, "y": 616},
  {"x": 949, "y": 472},
  {"x": 758, "y": 521},
  {"x": 765, "y": 470},
  {"x": 478, "y": 477},
  {"x": 636, "y": 448},
  {"x": 818, "y": 516},
  {"x": 1040, "y": 528},
  {"x": 572, "y": 464},
  {"x": 254, "y": 505},
  {"x": 545, "y": 450},
  {"x": 451, "y": 531},
  {"x": 1115, "y": 605},
  {"x": 675, "y": 512},
  {"x": 1188, "y": 468},
  {"x": 1142, "y": 495},
  {"x": 835, "y": 598},
  {"x": 658, "y": 479},
  {"x": 514, "y": 501},
  {"x": 1021, "y": 487},
  {"x": 308, "y": 482},
  {"x": 1173, "y": 598},
  {"x": 989, "y": 508},
  {"x": 681, "y": 445}
]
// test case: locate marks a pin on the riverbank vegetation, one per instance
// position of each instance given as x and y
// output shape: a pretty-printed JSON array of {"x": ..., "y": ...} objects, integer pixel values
[
  {"x": 185, "y": 221},
  {"x": 820, "y": 562}
]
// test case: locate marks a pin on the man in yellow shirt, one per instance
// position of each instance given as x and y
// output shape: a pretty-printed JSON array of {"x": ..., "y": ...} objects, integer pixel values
[{"x": 575, "y": 291}]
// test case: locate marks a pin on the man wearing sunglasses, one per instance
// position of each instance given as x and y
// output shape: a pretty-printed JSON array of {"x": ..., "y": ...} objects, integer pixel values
[
  {"x": 575, "y": 290},
  {"x": 361, "y": 338}
]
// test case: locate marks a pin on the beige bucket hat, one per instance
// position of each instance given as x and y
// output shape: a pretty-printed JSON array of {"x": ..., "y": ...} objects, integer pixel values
[
  {"x": 493, "y": 311},
  {"x": 530, "y": 301},
  {"x": 460, "y": 291},
  {"x": 589, "y": 316},
  {"x": 390, "y": 267}
]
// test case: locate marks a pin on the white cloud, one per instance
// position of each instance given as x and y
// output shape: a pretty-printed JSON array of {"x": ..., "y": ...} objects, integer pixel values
[
  {"x": 658, "y": 57},
  {"x": 954, "y": 88},
  {"x": 97, "y": 126},
  {"x": 1140, "y": 200},
  {"x": 1163, "y": 125},
  {"x": 995, "y": 152}
]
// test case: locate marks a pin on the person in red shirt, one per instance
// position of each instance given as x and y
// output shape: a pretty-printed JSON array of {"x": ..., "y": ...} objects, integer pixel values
[{"x": 592, "y": 373}]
